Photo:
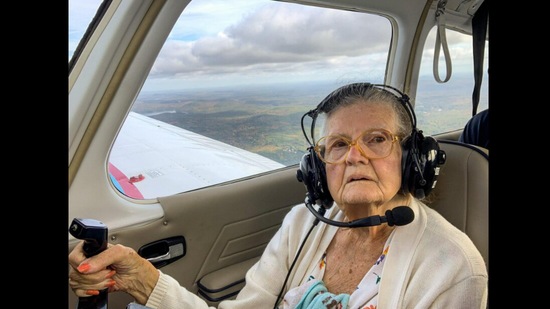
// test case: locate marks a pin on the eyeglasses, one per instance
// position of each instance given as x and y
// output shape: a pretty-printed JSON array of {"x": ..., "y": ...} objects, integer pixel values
[{"x": 373, "y": 144}]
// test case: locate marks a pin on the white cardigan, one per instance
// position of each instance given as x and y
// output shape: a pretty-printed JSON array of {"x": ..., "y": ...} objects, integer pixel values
[{"x": 432, "y": 264}]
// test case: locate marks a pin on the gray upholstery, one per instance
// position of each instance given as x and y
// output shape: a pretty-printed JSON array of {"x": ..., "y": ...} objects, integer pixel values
[{"x": 462, "y": 191}]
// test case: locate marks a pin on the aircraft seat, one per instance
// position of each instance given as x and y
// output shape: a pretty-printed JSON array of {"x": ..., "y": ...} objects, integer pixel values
[{"x": 461, "y": 194}]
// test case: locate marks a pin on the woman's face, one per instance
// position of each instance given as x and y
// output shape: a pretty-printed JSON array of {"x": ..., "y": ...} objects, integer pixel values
[{"x": 359, "y": 180}]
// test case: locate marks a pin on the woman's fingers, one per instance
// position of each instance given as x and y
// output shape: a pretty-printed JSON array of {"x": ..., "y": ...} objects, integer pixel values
[
  {"x": 87, "y": 288},
  {"x": 87, "y": 276}
]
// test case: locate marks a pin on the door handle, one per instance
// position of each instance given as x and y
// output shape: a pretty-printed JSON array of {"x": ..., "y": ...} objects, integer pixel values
[{"x": 163, "y": 252}]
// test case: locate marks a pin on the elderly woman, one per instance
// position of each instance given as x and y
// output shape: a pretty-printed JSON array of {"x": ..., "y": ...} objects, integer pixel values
[{"x": 372, "y": 156}]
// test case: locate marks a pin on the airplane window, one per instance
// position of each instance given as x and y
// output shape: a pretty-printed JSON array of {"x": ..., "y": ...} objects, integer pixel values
[
  {"x": 224, "y": 99},
  {"x": 444, "y": 107},
  {"x": 80, "y": 15}
]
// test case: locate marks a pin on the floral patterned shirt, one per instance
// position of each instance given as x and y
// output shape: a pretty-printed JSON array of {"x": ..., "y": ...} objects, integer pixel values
[{"x": 313, "y": 294}]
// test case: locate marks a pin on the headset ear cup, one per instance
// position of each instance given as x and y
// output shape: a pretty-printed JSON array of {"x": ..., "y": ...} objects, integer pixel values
[
  {"x": 431, "y": 158},
  {"x": 421, "y": 160},
  {"x": 312, "y": 173},
  {"x": 324, "y": 194}
]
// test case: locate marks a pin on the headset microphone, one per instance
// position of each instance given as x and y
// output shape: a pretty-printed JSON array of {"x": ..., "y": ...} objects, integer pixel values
[{"x": 400, "y": 215}]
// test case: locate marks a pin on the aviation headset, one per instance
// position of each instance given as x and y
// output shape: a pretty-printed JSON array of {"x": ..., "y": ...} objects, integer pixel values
[{"x": 421, "y": 157}]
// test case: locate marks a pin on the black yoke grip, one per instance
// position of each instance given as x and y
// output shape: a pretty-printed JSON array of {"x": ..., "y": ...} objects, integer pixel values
[{"x": 94, "y": 233}]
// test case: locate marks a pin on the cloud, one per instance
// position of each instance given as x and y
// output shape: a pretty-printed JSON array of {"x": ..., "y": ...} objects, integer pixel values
[
  {"x": 276, "y": 37},
  {"x": 273, "y": 41}
]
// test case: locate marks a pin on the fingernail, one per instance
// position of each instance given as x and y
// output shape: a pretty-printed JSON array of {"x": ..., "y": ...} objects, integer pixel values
[
  {"x": 83, "y": 267},
  {"x": 92, "y": 292},
  {"x": 110, "y": 283},
  {"x": 110, "y": 274}
]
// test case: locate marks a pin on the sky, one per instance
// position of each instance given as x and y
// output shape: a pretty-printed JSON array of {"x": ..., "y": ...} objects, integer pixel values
[{"x": 329, "y": 44}]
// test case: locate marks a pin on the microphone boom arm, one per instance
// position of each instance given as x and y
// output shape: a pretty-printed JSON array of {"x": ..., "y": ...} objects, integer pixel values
[{"x": 400, "y": 215}]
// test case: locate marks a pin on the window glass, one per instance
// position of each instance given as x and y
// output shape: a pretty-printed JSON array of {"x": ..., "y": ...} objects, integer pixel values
[
  {"x": 225, "y": 97},
  {"x": 81, "y": 13},
  {"x": 444, "y": 107}
]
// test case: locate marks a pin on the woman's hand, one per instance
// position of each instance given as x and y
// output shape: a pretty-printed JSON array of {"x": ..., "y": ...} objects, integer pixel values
[{"x": 118, "y": 268}]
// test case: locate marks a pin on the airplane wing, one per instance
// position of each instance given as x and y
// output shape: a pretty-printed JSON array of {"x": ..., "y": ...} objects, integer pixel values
[{"x": 151, "y": 158}]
